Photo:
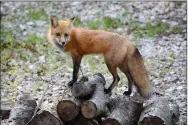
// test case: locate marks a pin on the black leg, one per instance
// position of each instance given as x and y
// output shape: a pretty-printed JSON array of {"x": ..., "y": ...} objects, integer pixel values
[
  {"x": 76, "y": 66},
  {"x": 116, "y": 79},
  {"x": 130, "y": 82},
  {"x": 113, "y": 71}
]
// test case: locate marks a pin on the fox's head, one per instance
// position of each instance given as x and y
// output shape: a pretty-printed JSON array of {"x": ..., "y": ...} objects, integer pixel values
[{"x": 59, "y": 32}]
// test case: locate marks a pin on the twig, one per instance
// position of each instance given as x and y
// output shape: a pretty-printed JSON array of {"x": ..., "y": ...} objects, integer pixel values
[{"x": 40, "y": 102}]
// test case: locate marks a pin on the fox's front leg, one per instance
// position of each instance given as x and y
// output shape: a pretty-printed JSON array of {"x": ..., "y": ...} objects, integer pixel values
[{"x": 76, "y": 65}]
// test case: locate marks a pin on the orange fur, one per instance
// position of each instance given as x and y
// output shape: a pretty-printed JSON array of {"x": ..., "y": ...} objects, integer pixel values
[{"x": 118, "y": 52}]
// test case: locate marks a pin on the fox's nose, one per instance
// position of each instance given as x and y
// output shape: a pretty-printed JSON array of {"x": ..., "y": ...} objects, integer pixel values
[{"x": 62, "y": 42}]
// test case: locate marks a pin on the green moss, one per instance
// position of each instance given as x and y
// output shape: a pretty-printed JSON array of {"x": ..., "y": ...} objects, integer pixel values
[
  {"x": 11, "y": 49},
  {"x": 7, "y": 38},
  {"x": 176, "y": 30},
  {"x": 93, "y": 25},
  {"x": 126, "y": 14},
  {"x": 152, "y": 30},
  {"x": 37, "y": 14},
  {"x": 13, "y": 84},
  {"x": 172, "y": 56},
  {"x": 105, "y": 23},
  {"x": 109, "y": 22},
  {"x": 77, "y": 22}
]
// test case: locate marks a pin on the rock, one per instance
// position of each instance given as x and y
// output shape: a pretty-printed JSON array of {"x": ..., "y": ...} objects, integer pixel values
[
  {"x": 24, "y": 33},
  {"x": 173, "y": 24},
  {"x": 22, "y": 27},
  {"x": 13, "y": 62},
  {"x": 42, "y": 59},
  {"x": 30, "y": 23},
  {"x": 40, "y": 23},
  {"x": 142, "y": 18}
]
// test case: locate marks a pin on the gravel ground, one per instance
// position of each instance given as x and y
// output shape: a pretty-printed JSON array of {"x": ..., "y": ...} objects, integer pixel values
[{"x": 164, "y": 55}]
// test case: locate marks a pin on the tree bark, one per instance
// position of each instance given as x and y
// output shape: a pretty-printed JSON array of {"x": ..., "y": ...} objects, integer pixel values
[
  {"x": 159, "y": 111},
  {"x": 45, "y": 118},
  {"x": 123, "y": 112},
  {"x": 97, "y": 105}
]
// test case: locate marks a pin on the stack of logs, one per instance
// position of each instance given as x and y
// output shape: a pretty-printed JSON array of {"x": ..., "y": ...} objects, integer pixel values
[{"x": 89, "y": 105}]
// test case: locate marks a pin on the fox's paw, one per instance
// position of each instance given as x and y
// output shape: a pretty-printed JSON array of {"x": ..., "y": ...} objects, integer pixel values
[
  {"x": 70, "y": 83},
  {"x": 84, "y": 79},
  {"x": 127, "y": 93},
  {"x": 108, "y": 91}
]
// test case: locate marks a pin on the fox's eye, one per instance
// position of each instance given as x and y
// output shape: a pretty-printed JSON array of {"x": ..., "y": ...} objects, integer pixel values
[
  {"x": 57, "y": 34},
  {"x": 66, "y": 34}
]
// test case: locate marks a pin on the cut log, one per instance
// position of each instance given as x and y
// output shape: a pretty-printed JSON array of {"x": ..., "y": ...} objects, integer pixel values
[
  {"x": 6, "y": 106},
  {"x": 84, "y": 87},
  {"x": 123, "y": 112},
  {"x": 23, "y": 110},
  {"x": 84, "y": 121},
  {"x": 97, "y": 105},
  {"x": 159, "y": 111},
  {"x": 45, "y": 118},
  {"x": 67, "y": 110}
]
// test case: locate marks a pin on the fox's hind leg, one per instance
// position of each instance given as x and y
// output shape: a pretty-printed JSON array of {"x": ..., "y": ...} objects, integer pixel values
[
  {"x": 113, "y": 71},
  {"x": 130, "y": 80}
]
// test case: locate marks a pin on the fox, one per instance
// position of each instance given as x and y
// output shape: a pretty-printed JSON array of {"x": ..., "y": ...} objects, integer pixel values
[{"x": 117, "y": 50}]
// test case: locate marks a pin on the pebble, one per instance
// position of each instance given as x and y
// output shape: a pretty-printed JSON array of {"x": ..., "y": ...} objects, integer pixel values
[{"x": 30, "y": 23}]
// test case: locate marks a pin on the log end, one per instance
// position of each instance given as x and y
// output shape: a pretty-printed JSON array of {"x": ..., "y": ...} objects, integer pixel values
[
  {"x": 154, "y": 120},
  {"x": 89, "y": 109},
  {"x": 67, "y": 110},
  {"x": 110, "y": 121},
  {"x": 77, "y": 90},
  {"x": 45, "y": 118}
]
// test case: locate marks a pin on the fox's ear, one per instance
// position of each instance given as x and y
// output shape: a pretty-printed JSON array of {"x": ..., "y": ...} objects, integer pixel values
[
  {"x": 72, "y": 19},
  {"x": 53, "y": 21}
]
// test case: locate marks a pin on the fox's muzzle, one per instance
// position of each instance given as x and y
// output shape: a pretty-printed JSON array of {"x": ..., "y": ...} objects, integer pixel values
[{"x": 63, "y": 42}]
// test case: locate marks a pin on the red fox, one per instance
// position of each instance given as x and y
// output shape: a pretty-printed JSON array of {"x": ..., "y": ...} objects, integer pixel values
[{"x": 118, "y": 52}]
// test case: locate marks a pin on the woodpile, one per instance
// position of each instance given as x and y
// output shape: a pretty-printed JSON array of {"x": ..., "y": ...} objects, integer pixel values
[{"x": 89, "y": 105}]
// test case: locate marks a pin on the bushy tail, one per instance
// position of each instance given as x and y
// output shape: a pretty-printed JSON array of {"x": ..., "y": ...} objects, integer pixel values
[{"x": 139, "y": 74}]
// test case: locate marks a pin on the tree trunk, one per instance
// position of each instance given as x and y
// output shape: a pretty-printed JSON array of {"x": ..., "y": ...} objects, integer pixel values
[
  {"x": 97, "y": 105},
  {"x": 159, "y": 111},
  {"x": 123, "y": 112}
]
